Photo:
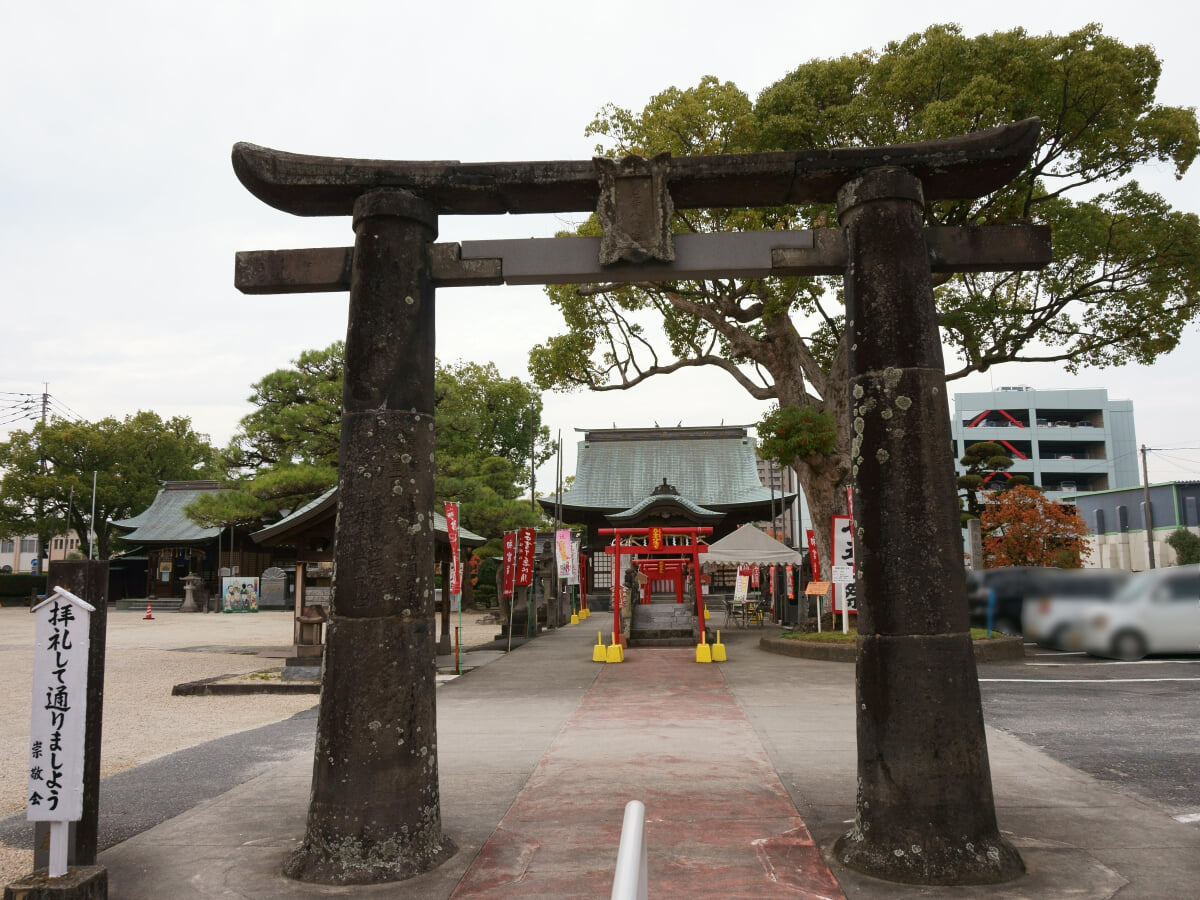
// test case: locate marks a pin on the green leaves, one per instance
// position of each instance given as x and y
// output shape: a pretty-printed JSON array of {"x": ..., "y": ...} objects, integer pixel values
[
  {"x": 286, "y": 451},
  {"x": 788, "y": 433},
  {"x": 48, "y": 470}
]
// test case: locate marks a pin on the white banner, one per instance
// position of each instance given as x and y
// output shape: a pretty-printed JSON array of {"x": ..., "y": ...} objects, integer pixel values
[{"x": 573, "y": 571}]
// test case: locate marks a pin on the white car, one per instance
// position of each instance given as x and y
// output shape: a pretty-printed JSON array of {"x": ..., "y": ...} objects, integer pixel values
[
  {"x": 1158, "y": 611},
  {"x": 1053, "y": 617}
]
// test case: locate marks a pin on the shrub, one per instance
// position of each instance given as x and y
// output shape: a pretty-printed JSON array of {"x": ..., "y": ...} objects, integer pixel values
[{"x": 1186, "y": 546}]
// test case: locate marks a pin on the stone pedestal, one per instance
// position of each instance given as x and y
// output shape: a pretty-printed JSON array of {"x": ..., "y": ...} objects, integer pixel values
[{"x": 80, "y": 883}]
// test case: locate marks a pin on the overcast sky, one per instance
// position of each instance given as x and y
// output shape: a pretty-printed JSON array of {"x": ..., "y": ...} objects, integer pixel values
[{"x": 120, "y": 213}]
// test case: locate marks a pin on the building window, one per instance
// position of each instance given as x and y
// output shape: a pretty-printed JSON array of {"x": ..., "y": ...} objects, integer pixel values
[
  {"x": 6, "y": 546},
  {"x": 73, "y": 543},
  {"x": 29, "y": 545},
  {"x": 602, "y": 570},
  {"x": 58, "y": 543}
]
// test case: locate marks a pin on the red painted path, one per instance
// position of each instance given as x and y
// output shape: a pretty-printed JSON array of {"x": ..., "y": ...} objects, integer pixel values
[{"x": 665, "y": 730}]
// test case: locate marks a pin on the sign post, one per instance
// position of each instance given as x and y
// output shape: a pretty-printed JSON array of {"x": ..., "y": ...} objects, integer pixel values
[{"x": 59, "y": 708}]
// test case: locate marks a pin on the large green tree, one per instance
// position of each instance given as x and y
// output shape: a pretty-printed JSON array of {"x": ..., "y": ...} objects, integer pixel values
[
  {"x": 1122, "y": 287},
  {"x": 46, "y": 487},
  {"x": 285, "y": 452}
]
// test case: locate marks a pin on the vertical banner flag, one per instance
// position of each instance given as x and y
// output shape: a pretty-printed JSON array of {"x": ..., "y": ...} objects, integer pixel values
[
  {"x": 742, "y": 584},
  {"x": 525, "y": 542},
  {"x": 562, "y": 552},
  {"x": 772, "y": 581},
  {"x": 456, "y": 595},
  {"x": 510, "y": 562},
  {"x": 754, "y": 577},
  {"x": 573, "y": 564},
  {"x": 452, "y": 535},
  {"x": 841, "y": 548},
  {"x": 813, "y": 556},
  {"x": 790, "y": 588}
]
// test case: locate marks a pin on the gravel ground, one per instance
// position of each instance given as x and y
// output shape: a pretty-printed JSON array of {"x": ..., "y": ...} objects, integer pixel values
[{"x": 143, "y": 661}]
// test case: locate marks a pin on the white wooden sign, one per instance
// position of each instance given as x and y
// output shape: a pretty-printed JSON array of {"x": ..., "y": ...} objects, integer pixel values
[
  {"x": 55, "y": 795},
  {"x": 843, "y": 574},
  {"x": 842, "y": 551}
]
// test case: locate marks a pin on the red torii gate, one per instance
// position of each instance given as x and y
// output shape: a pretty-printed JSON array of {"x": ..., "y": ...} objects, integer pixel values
[{"x": 654, "y": 544}]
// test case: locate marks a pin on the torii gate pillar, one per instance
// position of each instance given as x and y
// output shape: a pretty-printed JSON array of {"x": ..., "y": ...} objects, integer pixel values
[
  {"x": 922, "y": 817},
  {"x": 375, "y": 813}
]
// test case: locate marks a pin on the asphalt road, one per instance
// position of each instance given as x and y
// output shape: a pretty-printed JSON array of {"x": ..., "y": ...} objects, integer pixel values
[{"x": 1132, "y": 724}]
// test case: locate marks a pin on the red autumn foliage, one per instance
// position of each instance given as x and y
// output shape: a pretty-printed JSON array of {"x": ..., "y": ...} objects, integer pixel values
[{"x": 1023, "y": 528}]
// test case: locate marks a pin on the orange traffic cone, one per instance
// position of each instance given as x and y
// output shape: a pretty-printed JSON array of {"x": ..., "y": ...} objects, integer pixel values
[{"x": 148, "y": 615}]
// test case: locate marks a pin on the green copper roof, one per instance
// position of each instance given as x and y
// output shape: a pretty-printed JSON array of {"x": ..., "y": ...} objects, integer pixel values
[
  {"x": 714, "y": 468},
  {"x": 326, "y": 506},
  {"x": 164, "y": 522},
  {"x": 683, "y": 502}
]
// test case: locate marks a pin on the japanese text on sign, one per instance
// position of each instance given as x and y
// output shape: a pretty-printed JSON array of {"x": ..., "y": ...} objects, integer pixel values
[
  {"x": 510, "y": 562},
  {"x": 452, "y": 536},
  {"x": 842, "y": 550},
  {"x": 525, "y": 542},
  {"x": 61, "y": 637}
]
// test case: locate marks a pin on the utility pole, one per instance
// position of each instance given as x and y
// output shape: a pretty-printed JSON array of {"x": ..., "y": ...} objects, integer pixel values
[
  {"x": 1146, "y": 506},
  {"x": 532, "y": 460}
]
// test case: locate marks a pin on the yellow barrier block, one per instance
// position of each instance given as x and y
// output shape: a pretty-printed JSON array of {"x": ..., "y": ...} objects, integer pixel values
[
  {"x": 703, "y": 653},
  {"x": 718, "y": 650},
  {"x": 598, "y": 652}
]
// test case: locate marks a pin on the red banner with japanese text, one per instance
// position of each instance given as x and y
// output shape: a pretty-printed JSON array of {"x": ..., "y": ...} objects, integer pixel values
[
  {"x": 452, "y": 536},
  {"x": 813, "y": 556},
  {"x": 525, "y": 548},
  {"x": 510, "y": 562}
]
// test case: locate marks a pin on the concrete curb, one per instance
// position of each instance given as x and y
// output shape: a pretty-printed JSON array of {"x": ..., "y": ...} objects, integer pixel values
[
  {"x": 996, "y": 650},
  {"x": 214, "y": 686}
]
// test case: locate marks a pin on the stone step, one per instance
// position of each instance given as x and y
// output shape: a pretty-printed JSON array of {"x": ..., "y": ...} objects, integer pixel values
[
  {"x": 166, "y": 604},
  {"x": 688, "y": 641}
]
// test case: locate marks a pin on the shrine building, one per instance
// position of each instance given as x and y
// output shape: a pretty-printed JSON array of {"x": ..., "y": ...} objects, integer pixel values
[{"x": 668, "y": 477}]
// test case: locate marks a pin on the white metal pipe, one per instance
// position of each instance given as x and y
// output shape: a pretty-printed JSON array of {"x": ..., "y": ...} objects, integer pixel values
[{"x": 630, "y": 878}]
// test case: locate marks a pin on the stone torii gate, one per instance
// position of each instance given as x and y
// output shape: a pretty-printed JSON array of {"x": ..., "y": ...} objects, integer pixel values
[{"x": 925, "y": 804}]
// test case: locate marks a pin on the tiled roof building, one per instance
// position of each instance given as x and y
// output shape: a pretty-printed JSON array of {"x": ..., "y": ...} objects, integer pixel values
[{"x": 633, "y": 477}]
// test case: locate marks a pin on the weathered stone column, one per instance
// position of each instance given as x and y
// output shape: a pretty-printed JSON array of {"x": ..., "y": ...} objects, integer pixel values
[
  {"x": 375, "y": 813},
  {"x": 925, "y": 808}
]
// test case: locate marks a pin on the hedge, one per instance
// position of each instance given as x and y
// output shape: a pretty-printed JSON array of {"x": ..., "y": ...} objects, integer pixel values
[{"x": 21, "y": 585}]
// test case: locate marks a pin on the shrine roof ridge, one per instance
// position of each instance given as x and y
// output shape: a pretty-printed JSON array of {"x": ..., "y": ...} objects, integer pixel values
[{"x": 959, "y": 167}]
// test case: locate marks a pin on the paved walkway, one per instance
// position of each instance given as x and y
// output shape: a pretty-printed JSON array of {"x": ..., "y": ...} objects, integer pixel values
[
  {"x": 662, "y": 729},
  {"x": 540, "y": 749}
]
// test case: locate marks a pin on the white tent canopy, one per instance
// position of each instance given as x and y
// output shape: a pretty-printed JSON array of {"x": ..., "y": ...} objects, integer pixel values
[{"x": 749, "y": 546}]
